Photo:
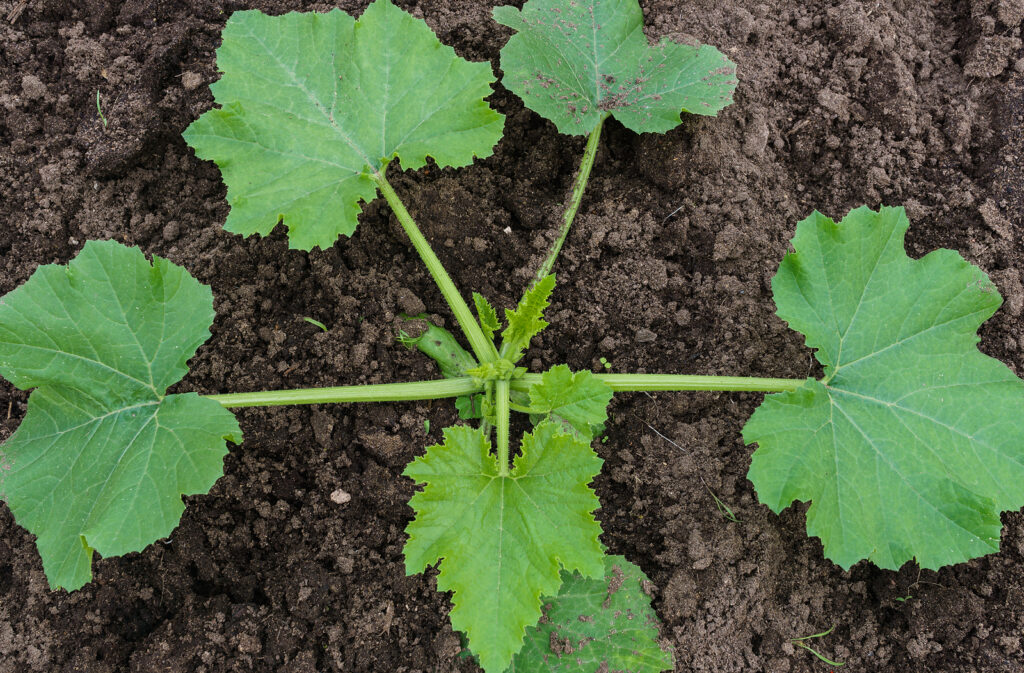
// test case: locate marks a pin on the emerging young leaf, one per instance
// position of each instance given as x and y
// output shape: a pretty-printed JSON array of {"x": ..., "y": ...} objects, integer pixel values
[
  {"x": 487, "y": 315},
  {"x": 526, "y": 321},
  {"x": 503, "y": 540},
  {"x": 912, "y": 444},
  {"x": 592, "y": 625},
  {"x": 103, "y": 455},
  {"x": 470, "y": 407},
  {"x": 312, "y": 105},
  {"x": 572, "y": 61},
  {"x": 577, "y": 401}
]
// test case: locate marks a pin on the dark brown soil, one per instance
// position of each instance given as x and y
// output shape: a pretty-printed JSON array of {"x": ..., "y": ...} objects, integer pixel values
[{"x": 841, "y": 103}]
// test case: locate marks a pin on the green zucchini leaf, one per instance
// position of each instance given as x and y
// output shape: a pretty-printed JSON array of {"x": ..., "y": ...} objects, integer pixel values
[
  {"x": 502, "y": 541},
  {"x": 527, "y": 320},
  {"x": 488, "y": 317},
  {"x": 103, "y": 456},
  {"x": 312, "y": 105},
  {"x": 576, "y": 401},
  {"x": 912, "y": 443},
  {"x": 604, "y": 624},
  {"x": 571, "y": 61}
]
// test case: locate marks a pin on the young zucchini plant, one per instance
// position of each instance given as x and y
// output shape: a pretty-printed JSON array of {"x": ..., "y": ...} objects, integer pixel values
[{"x": 909, "y": 446}]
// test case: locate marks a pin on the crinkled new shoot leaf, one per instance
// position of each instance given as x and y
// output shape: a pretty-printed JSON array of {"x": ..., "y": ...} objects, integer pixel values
[
  {"x": 502, "y": 541},
  {"x": 470, "y": 407},
  {"x": 313, "y": 105},
  {"x": 526, "y": 321},
  {"x": 604, "y": 624},
  {"x": 103, "y": 456},
  {"x": 488, "y": 316},
  {"x": 912, "y": 444},
  {"x": 572, "y": 61}
]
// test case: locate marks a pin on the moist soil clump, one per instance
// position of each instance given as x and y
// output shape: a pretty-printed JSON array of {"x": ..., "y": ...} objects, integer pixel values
[{"x": 294, "y": 561}]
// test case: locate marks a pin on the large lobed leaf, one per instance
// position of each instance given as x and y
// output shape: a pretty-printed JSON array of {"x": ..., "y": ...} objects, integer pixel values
[
  {"x": 912, "y": 444},
  {"x": 313, "y": 104},
  {"x": 503, "y": 540},
  {"x": 573, "y": 60},
  {"x": 604, "y": 624},
  {"x": 103, "y": 456}
]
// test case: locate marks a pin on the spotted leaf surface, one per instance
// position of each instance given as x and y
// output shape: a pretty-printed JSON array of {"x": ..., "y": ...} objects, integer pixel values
[
  {"x": 596, "y": 624},
  {"x": 572, "y": 61}
]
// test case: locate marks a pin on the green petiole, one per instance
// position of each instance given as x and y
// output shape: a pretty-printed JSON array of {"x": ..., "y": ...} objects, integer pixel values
[
  {"x": 466, "y": 385},
  {"x": 582, "y": 176},
  {"x": 482, "y": 347},
  {"x": 501, "y": 408},
  {"x": 679, "y": 382},
  {"x": 377, "y": 392}
]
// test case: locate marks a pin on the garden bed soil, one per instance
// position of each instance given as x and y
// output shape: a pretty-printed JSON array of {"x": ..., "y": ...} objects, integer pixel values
[{"x": 293, "y": 562}]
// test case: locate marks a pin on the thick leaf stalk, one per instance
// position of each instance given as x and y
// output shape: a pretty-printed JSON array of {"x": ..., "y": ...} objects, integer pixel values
[
  {"x": 378, "y": 392},
  {"x": 578, "y": 188},
  {"x": 482, "y": 347}
]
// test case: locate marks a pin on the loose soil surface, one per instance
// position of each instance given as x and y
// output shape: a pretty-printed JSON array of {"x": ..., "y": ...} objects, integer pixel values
[{"x": 840, "y": 103}]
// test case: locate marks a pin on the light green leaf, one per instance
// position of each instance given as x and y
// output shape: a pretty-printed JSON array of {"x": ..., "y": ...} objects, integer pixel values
[
  {"x": 487, "y": 315},
  {"x": 912, "y": 444},
  {"x": 503, "y": 540},
  {"x": 526, "y": 321},
  {"x": 578, "y": 400},
  {"x": 312, "y": 105},
  {"x": 593, "y": 625},
  {"x": 103, "y": 456},
  {"x": 572, "y": 61}
]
